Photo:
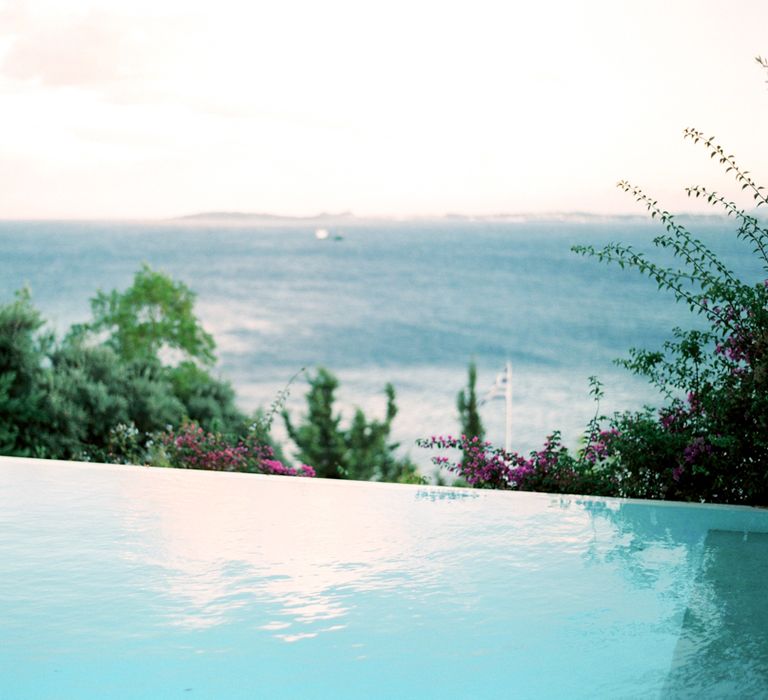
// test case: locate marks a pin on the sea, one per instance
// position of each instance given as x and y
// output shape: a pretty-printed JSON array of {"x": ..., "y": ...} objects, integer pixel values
[{"x": 411, "y": 303}]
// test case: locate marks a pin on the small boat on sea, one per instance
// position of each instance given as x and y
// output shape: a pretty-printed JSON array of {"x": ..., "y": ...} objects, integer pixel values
[{"x": 321, "y": 234}]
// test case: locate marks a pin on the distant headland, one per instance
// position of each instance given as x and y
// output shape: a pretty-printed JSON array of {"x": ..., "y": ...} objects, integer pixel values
[
  {"x": 345, "y": 218},
  {"x": 261, "y": 217}
]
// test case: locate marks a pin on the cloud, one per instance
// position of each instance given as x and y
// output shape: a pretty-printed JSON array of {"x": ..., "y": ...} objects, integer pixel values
[
  {"x": 84, "y": 51},
  {"x": 12, "y": 14},
  {"x": 118, "y": 51}
]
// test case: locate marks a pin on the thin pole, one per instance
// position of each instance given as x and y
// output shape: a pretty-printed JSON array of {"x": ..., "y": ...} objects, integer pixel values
[{"x": 508, "y": 397}]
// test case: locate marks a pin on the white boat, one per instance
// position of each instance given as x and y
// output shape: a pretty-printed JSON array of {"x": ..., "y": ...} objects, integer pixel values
[{"x": 321, "y": 234}]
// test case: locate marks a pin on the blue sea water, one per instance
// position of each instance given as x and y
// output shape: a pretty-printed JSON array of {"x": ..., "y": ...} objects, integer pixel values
[
  {"x": 138, "y": 582},
  {"x": 409, "y": 303}
]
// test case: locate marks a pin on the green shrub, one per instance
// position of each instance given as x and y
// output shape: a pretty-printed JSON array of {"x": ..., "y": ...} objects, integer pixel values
[
  {"x": 362, "y": 451},
  {"x": 710, "y": 442}
]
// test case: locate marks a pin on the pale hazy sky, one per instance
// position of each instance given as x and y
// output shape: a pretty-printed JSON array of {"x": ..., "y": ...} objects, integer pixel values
[{"x": 155, "y": 108}]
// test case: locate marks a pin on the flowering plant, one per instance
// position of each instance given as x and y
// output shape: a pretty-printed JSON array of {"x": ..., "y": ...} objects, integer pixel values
[
  {"x": 191, "y": 447},
  {"x": 552, "y": 468},
  {"x": 713, "y": 444}
]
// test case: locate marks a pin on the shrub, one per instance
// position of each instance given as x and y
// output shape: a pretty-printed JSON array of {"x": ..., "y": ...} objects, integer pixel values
[
  {"x": 553, "y": 468},
  {"x": 22, "y": 352},
  {"x": 712, "y": 436},
  {"x": 79, "y": 398},
  {"x": 710, "y": 441},
  {"x": 362, "y": 451},
  {"x": 191, "y": 447}
]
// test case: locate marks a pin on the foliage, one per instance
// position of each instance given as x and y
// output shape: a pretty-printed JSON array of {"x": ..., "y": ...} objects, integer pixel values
[
  {"x": 466, "y": 403},
  {"x": 127, "y": 445},
  {"x": 710, "y": 441},
  {"x": 89, "y": 390},
  {"x": 261, "y": 426},
  {"x": 208, "y": 401},
  {"x": 153, "y": 314},
  {"x": 361, "y": 451},
  {"x": 104, "y": 394},
  {"x": 21, "y": 356},
  {"x": 85, "y": 399},
  {"x": 648, "y": 453},
  {"x": 190, "y": 447},
  {"x": 319, "y": 438},
  {"x": 553, "y": 468}
]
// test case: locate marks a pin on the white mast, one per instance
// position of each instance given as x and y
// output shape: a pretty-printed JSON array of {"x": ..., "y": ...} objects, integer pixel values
[
  {"x": 508, "y": 400},
  {"x": 503, "y": 381}
]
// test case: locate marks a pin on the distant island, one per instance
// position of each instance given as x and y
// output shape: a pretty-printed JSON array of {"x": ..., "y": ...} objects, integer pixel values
[
  {"x": 237, "y": 217},
  {"x": 345, "y": 218}
]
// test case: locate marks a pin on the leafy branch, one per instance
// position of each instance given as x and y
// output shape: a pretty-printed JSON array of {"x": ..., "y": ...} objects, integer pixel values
[
  {"x": 675, "y": 281},
  {"x": 729, "y": 161},
  {"x": 750, "y": 228},
  {"x": 263, "y": 423},
  {"x": 692, "y": 250}
]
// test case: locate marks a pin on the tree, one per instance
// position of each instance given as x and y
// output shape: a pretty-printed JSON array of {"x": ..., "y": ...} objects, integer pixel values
[
  {"x": 469, "y": 415},
  {"x": 362, "y": 451},
  {"x": 207, "y": 401},
  {"x": 22, "y": 351},
  {"x": 319, "y": 438},
  {"x": 153, "y": 314},
  {"x": 90, "y": 390},
  {"x": 369, "y": 454},
  {"x": 65, "y": 399},
  {"x": 466, "y": 403}
]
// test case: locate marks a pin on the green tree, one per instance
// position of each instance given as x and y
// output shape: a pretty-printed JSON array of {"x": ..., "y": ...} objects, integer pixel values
[
  {"x": 153, "y": 314},
  {"x": 466, "y": 403},
  {"x": 469, "y": 415},
  {"x": 369, "y": 453},
  {"x": 207, "y": 401},
  {"x": 22, "y": 352},
  {"x": 64, "y": 399},
  {"x": 319, "y": 438},
  {"x": 362, "y": 451},
  {"x": 90, "y": 390}
]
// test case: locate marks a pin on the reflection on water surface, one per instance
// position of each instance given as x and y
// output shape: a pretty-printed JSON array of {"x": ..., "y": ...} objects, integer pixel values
[{"x": 125, "y": 581}]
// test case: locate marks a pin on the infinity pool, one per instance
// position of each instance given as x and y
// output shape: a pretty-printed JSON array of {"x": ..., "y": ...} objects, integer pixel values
[{"x": 134, "y": 582}]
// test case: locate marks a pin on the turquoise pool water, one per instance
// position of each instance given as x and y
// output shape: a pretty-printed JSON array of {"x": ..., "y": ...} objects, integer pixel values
[{"x": 132, "y": 582}]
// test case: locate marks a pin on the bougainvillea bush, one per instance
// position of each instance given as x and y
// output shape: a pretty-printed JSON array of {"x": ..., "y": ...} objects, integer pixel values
[
  {"x": 709, "y": 441},
  {"x": 552, "y": 468},
  {"x": 191, "y": 447}
]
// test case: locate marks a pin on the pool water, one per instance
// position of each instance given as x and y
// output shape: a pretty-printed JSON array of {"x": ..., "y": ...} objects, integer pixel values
[{"x": 133, "y": 582}]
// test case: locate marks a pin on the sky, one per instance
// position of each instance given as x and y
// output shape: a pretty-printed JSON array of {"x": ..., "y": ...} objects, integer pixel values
[{"x": 144, "y": 109}]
